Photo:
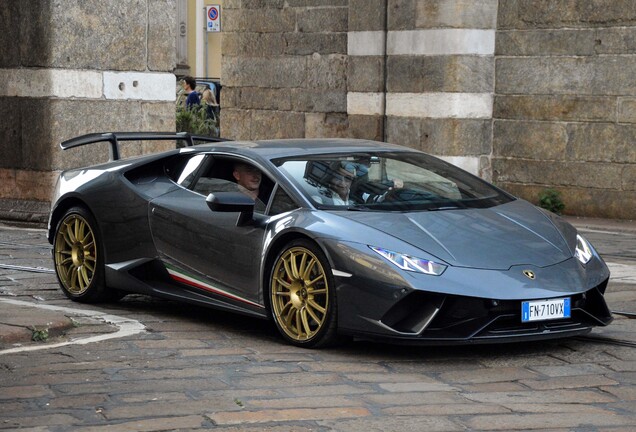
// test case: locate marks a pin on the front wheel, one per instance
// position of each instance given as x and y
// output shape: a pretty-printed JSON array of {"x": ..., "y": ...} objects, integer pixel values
[
  {"x": 79, "y": 261},
  {"x": 303, "y": 296}
]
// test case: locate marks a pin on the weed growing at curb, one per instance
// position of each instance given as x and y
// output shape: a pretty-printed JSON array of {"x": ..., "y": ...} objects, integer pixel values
[
  {"x": 550, "y": 199},
  {"x": 39, "y": 335}
]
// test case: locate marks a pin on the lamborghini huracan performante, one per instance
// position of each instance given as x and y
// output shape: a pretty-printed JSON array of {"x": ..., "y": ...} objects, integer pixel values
[{"x": 334, "y": 238}]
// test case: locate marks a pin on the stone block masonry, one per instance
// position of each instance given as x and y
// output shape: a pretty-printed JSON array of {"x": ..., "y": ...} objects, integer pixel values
[
  {"x": 356, "y": 68},
  {"x": 437, "y": 76},
  {"x": 73, "y": 67},
  {"x": 564, "y": 106},
  {"x": 283, "y": 63},
  {"x": 528, "y": 96}
]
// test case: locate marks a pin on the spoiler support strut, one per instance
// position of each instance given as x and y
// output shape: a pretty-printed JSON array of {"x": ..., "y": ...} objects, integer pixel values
[{"x": 115, "y": 137}]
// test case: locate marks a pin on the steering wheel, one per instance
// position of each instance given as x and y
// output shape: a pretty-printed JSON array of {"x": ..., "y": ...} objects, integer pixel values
[{"x": 408, "y": 196}]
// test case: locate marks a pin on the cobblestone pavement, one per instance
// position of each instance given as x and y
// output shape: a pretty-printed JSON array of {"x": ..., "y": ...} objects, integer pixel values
[{"x": 197, "y": 369}]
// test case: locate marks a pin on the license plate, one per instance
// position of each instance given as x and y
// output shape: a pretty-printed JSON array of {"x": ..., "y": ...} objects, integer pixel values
[{"x": 541, "y": 310}]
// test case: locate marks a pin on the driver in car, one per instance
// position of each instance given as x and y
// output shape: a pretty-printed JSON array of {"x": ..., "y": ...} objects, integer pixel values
[
  {"x": 249, "y": 178},
  {"x": 343, "y": 174}
]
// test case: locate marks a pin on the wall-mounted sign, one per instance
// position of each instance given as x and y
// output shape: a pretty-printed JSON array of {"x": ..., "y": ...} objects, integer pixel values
[{"x": 213, "y": 18}]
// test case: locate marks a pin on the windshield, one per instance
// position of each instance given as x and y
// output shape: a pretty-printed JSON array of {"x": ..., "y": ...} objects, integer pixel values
[{"x": 397, "y": 181}]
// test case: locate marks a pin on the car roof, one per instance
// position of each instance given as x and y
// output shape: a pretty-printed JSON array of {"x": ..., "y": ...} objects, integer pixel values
[
  {"x": 280, "y": 148},
  {"x": 260, "y": 150}
]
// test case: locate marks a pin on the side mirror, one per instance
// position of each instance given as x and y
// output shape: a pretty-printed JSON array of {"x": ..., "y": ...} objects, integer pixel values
[{"x": 232, "y": 202}]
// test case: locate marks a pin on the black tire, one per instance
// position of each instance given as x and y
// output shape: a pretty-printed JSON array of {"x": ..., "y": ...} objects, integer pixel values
[
  {"x": 79, "y": 258},
  {"x": 303, "y": 296}
]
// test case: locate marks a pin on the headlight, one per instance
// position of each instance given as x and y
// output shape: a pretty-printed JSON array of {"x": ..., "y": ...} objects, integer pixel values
[
  {"x": 583, "y": 250},
  {"x": 409, "y": 263}
]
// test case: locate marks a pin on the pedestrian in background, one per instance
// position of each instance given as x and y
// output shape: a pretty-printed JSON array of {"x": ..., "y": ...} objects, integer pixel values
[
  {"x": 211, "y": 105},
  {"x": 189, "y": 86}
]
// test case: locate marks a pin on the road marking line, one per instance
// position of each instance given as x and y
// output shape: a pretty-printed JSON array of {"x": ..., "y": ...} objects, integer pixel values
[
  {"x": 126, "y": 326},
  {"x": 28, "y": 269}
]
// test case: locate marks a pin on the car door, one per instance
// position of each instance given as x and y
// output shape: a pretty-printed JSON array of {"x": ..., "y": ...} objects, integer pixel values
[{"x": 205, "y": 249}]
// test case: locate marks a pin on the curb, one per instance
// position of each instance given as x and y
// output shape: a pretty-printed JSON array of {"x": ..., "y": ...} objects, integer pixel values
[
  {"x": 20, "y": 334},
  {"x": 617, "y": 225},
  {"x": 29, "y": 327}
]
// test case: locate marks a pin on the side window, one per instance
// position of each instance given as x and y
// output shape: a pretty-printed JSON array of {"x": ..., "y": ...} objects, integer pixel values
[
  {"x": 187, "y": 174},
  {"x": 281, "y": 202},
  {"x": 217, "y": 177},
  {"x": 225, "y": 174},
  {"x": 208, "y": 185}
]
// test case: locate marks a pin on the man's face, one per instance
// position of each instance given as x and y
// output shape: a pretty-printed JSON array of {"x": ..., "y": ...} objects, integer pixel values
[
  {"x": 341, "y": 182},
  {"x": 247, "y": 176}
]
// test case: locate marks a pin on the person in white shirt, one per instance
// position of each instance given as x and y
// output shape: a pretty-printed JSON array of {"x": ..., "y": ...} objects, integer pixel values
[
  {"x": 343, "y": 174},
  {"x": 340, "y": 182}
]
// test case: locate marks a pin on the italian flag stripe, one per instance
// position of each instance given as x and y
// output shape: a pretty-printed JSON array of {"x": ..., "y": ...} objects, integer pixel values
[{"x": 195, "y": 282}]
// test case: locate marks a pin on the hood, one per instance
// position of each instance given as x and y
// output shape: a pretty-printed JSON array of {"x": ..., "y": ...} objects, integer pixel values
[{"x": 497, "y": 238}]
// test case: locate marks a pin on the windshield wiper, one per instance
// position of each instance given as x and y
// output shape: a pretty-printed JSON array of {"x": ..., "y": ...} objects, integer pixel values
[{"x": 447, "y": 208}]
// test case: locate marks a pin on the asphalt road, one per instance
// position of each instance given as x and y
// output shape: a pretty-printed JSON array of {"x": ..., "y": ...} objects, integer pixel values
[{"x": 157, "y": 365}]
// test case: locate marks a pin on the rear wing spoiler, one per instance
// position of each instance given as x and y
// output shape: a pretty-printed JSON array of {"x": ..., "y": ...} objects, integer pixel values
[{"x": 114, "y": 137}]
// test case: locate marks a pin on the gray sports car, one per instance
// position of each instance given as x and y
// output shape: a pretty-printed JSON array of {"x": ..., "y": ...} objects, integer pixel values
[{"x": 327, "y": 237}]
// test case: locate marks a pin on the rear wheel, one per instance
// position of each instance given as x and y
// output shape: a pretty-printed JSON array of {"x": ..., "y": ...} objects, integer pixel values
[
  {"x": 79, "y": 261},
  {"x": 302, "y": 295}
]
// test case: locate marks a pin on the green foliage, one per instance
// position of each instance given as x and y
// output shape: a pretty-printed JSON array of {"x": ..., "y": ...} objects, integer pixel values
[
  {"x": 196, "y": 121},
  {"x": 39, "y": 335},
  {"x": 550, "y": 200}
]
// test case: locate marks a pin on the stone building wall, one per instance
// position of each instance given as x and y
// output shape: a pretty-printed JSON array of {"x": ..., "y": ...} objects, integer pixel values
[
  {"x": 530, "y": 94},
  {"x": 69, "y": 67},
  {"x": 327, "y": 69},
  {"x": 565, "y": 105}
]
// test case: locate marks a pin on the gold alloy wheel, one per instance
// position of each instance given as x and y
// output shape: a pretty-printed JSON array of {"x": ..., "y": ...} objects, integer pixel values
[
  {"x": 300, "y": 294},
  {"x": 75, "y": 254}
]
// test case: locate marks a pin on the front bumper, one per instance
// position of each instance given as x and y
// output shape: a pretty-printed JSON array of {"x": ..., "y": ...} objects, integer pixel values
[
  {"x": 465, "y": 305},
  {"x": 432, "y": 318}
]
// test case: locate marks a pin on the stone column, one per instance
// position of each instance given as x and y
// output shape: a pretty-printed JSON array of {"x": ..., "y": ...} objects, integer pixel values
[
  {"x": 440, "y": 78},
  {"x": 70, "y": 67},
  {"x": 366, "y": 71}
]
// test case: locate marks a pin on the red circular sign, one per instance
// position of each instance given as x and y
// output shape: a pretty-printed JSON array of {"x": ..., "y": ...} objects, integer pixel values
[{"x": 213, "y": 13}]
